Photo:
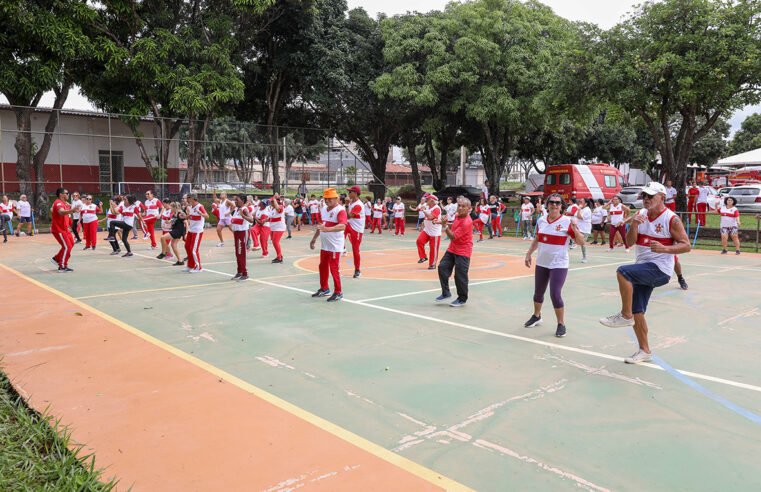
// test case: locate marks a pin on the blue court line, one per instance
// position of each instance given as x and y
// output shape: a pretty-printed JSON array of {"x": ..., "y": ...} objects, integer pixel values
[{"x": 756, "y": 419}]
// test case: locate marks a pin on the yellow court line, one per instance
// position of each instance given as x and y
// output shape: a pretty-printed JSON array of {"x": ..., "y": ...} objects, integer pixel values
[
  {"x": 346, "y": 435},
  {"x": 163, "y": 289}
]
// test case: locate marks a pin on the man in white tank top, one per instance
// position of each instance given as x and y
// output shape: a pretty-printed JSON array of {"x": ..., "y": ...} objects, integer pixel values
[{"x": 659, "y": 235}]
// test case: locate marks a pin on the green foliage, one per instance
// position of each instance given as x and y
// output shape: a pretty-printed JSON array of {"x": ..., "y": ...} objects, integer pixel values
[{"x": 748, "y": 137}]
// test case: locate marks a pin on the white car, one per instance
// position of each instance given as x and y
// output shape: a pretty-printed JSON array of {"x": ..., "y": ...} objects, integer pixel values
[
  {"x": 748, "y": 198},
  {"x": 714, "y": 199}
]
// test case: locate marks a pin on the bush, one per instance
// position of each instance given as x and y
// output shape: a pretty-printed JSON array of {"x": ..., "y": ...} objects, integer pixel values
[{"x": 407, "y": 192}]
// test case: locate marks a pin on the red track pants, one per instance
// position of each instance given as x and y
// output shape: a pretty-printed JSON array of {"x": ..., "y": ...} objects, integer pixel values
[
  {"x": 377, "y": 223},
  {"x": 66, "y": 241},
  {"x": 702, "y": 209},
  {"x": 192, "y": 245},
  {"x": 496, "y": 224},
  {"x": 264, "y": 237},
  {"x": 433, "y": 247},
  {"x": 90, "y": 231},
  {"x": 276, "y": 235},
  {"x": 330, "y": 262},
  {"x": 612, "y": 234},
  {"x": 254, "y": 233},
  {"x": 355, "y": 238},
  {"x": 316, "y": 219},
  {"x": 479, "y": 227},
  {"x": 149, "y": 224},
  {"x": 239, "y": 241},
  {"x": 399, "y": 223}
]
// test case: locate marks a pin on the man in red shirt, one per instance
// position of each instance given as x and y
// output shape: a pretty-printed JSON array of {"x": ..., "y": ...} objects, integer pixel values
[
  {"x": 60, "y": 214},
  {"x": 457, "y": 256}
]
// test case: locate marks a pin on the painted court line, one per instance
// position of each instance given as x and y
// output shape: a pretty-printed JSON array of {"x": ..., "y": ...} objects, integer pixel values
[
  {"x": 592, "y": 353},
  {"x": 358, "y": 441},
  {"x": 145, "y": 291}
]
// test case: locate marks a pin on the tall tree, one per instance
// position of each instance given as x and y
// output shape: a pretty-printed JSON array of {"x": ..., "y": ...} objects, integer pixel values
[
  {"x": 40, "y": 43},
  {"x": 693, "y": 59},
  {"x": 748, "y": 137}
]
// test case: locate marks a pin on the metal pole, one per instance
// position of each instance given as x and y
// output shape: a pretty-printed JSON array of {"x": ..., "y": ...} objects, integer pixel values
[
  {"x": 285, "y": 164},
  {"x": 2, "y": 161},
  {"x": 60, "y": 164},
  {"x": 462, "y": 164},
  {"x": 758, "y": 227},
  {"x": 110, "y": 159},
  {"x": 328, "y": 162}
]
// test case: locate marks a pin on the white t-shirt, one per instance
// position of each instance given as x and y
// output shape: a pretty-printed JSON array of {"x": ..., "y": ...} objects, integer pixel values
[
  {"x": 527, "y": 210},
  {"x": 483, "y": 213},
  {"x": 153, "y": 208},
  {"x": 128, "y": 213},
  {"x": 89, "y": 213},
  {"x": 289, "y": 211},
  {"x": 277, "y": 222},
  {"x": 670, "y": 195},
  {"x": 356, "y": 216},
  {"x": 598, "y": 215},
  {"x": 398, "y": 210},
  {"x": 314, "y": 206},
  {"x": 166, "y": 220},
  {"x": 333, "y": 241},
  {"x": 702, "y": 194},
  {"x": 7, "y": 209},
  {"x": 223, "y": 209},
  {"x": 368, "y": 208},
  {"x": 729, "y": 216},
  {"x": 196, "y": 221},
  {"x": 378, "y": 211},
  {"x": 451, "y": 210},
  {"x": 75, "y": 204},
  {"x": 24, "y": 209},
  {"x": 554, "y": 238},
  {"x": 262, "y": 214},
  {"x": 484, "y": 191},
  {"x": 585, "y": 222},
  {"x": 429, "y": 227}
]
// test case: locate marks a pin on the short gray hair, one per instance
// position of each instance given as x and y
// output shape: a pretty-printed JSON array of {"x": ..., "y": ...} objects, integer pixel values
[
  {"x": 194, "y": 196},
  {"x": 464, "y": 200}
]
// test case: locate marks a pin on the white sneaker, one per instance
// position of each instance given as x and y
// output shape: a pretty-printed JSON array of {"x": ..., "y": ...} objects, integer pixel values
[
  {"x": 219, "y": 245},
  {"x": 609, "y": 250},
  {"x": 195, "y": 270},
  {"x": 639, "y": 356},
  {"x": 627, "y": 250},
  {"x": 573, "y": 246},
  {"x": 584, "y": 260},
  {"x": 186, "y": 270},
  {"x": 617, "y": 321}
]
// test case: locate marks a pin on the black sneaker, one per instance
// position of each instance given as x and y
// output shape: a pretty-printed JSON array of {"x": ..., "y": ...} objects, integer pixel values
[
  {"x": 321, "y": 293},
  {"x": 85, "y": 248},
  {"x": 178, "y": 263},
  {"x": 533, "y": 321},
  {"x": 422, "y": 260},
  {"x": 236, "y": 277},
  {"x": 432, "y": 267},
  {"x": 560, "y": 332},
  {"x": 65, "y": 270},
  {"x": 52, "y": 260},
  {"x": 737, "y": 252},
  {"x": 337, "y": 296},
  {"x": 114, "y": 253},
  {"x": 682, "y": 282},
  {"x": 127, "y": 254},
  {"x": 242, "y": 278},
  {"x": 277, "y": 260},
  {"x": 161, "y": 256},
  {"x": 723, "y": 251},
  {"x": 357, "y": 274}
]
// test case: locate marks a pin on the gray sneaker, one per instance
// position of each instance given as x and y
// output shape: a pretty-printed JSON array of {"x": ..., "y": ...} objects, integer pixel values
[
  {"x": 639, "y": 356},
  {"x": 617, "y": 321}
]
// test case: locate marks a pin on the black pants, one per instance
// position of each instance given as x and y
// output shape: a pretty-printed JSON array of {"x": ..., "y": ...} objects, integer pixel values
[
  {"x": 460, "y": 265},
  {"x": 74, "y": 223},
  {"x": 6, "y": 225},
  {"x": 126, "y": 228}
]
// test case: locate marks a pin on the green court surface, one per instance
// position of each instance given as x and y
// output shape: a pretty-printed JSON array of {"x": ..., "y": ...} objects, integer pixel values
[{"x": 469, "y": 392}]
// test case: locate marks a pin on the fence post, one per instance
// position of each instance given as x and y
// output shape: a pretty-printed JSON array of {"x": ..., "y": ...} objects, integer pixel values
[{"x": 758, "y": 227}]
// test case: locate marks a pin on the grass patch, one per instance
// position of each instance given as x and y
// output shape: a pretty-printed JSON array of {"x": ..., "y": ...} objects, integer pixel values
[{"x": 34, "y": 453}]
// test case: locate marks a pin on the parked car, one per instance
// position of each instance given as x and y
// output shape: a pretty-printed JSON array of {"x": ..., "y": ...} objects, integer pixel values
[
  {"x": 470, "y": 192},
  {"x": 630, "y": 196},
  {"x": 261, "y": 185},
  {"x": 748, "y": 198}
]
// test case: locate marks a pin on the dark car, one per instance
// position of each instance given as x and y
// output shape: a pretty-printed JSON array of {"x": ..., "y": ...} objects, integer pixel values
[{"x": 471, "y": 192}]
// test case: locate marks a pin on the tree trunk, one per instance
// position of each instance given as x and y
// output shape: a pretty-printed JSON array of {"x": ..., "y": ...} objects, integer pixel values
[
  {"x": 23, "y": 147},
  {"x": 415, "y": 170},
  {"x": 274, "y": 156},
  {"x": 42, "y": 154},
  {"x": 197, "y": 132}
]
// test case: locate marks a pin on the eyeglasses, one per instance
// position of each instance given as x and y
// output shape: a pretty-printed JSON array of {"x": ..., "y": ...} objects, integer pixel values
[{"x": 554, "y": 202}]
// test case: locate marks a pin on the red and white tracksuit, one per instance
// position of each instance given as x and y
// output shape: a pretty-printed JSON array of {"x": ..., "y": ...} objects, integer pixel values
[
  {"x": 264, "y": 230},
  {"x": 483, "y": 219},
  {"x": 194, "y": 237},
  {"x": 431, "y": 234},
  {"x": 354, "y": 229},
  {"x": 60, "y": 229},
  {"x": 378, "y": 211},
  {"x": 240, "y": 227},
  {"x": 616, "y": 217},
  {"x": 331, "y": 247},
  {"x": 153, "y": 209},
  {"x": 399, "y": 218},
  {"x": 90, "y": 224},
  {"x": 277, "y": 229}
]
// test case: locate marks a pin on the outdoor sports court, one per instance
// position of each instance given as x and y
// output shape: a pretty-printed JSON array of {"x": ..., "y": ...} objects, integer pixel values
[{"x": 192, "y": 382}]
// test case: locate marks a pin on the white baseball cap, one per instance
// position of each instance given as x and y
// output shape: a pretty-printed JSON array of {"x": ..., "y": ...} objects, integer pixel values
[{"x": 653, "y": 188}]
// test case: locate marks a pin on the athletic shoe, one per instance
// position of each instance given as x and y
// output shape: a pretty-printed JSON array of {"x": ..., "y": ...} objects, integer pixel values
[
  {"x": 256, "y": 248},
  {"x": 114, "y": 253},
  {"x": 337, "y": 296},
  {"x": 626, "y": 250},
  {"x": 457, "y": 303},
  {"x": 52, "y": 260},
  {"x": 639, "y": 356},
  {"x": 127, "y": 254},
  {"x": 737, "y": 252},
  {"x": 196, "y": 270},
  {"x": 422, "y": 260},
  {"x": 277, "y": 260},
  {"x": 219, "y": 245},
  {"x": 85, "y": 248},
  {"x": 242, "y": 278},
  {"x": 288, "y": 237},
  {"x": 594, "y": 243},
  {"x": 609, "y": 250},
  {"x": 617, "y": 321},
  {"x": 178, "y": 263},
  {"x": 524, "y": 238},
  {"x": 118, "y": 251},
  {"x": 560, "y": 332},
  {"x": 682, "y": 282},
  {"x": 110, "y": 238},
  {"x": 357, "y": 274},
  {"x": 65, "y": 270},
  {"x": 443, "y": 297},
  {"x": 533, "y": 321},
  {"x": 584, "y": 260},
  {"x": 161, "y": 256},
  {"x": 237, "y": 276},
  {"x": 321, "y": 293},
  {"x": 432, "y": 267},
  {"x": 573, "y": 246},
  {"x": 146, "y": 236},
  {"x": 153, "y": 247},
  {"x": 723, "y": 251},
  {"x": 186, "y": 270},
  {"x": 479, "y": 240},
  {"x": 5, "y": 240},
  {"x": 77, "y": 241}
]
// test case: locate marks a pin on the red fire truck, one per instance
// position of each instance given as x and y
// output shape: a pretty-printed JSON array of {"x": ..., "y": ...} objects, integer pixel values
[{"x": 583, "y": 181}]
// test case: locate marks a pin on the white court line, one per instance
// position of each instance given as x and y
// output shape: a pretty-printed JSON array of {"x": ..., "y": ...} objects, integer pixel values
[
  {"x": 601, "y": 355},
  {"x": 471, "y": 284}
]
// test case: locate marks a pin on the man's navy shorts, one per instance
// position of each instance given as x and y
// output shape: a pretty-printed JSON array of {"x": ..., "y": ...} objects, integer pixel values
[{"x": 644, "y": 277}]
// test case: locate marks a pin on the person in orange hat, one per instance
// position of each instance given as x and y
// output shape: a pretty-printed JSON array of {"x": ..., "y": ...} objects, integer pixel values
[
  {"x": 431, "y": 232},
  {"x": 331, "y": 233},
  {"x": 356, "y": 225}
]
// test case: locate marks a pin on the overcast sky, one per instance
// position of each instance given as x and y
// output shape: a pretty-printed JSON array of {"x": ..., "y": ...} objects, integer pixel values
[{"x": 604, "y": 13}]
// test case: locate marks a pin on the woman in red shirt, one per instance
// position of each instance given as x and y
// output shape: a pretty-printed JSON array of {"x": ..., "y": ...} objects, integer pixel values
[{"x": 61, "y": 221}]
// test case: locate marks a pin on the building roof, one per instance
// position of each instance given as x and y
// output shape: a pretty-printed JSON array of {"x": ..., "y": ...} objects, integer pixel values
[
  {"x": 402, "y": 168},
  {"x": 750, "y": 158}
]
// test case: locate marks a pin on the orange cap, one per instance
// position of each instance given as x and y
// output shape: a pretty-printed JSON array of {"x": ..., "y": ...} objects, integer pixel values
[{"x": 330, "y": 193}]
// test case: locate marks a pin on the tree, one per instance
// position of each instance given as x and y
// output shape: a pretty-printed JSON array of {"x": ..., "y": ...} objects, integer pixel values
[
  {"x": 748, "y": 137},
  {"x": 40, "y": 43},
  {"x": 693, "y": 59},
  {"x": 713, "y": 146},
  {"x": 172, "y": 60}
]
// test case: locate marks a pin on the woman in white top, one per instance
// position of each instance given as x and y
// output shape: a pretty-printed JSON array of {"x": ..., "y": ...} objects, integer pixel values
[
  {"x": 6, "y": 217},
  {"x": 553, "y": 236},
  {"x": 90, "y": 213},
  {"x": 584, "y": 216},
  {"x": 128, "y": 211},
  {"x": 599, "y": 215},
  {"x": 76, "y": 202},
  {"x": 483, "y": 218},
  {"x": 290, "y": 215},
  {"x": 730, "y": 224},
  {"x": 276, "y": 224}
]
